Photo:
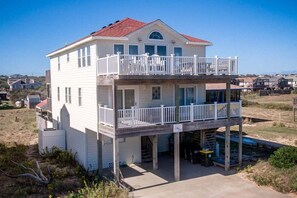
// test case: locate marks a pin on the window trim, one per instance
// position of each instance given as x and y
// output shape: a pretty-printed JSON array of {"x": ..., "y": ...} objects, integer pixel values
[
  {"x": 148, "y": 38},
  {"x": 69, "y": 95},
  {"x": 133, "y": 45},
  {"x": 88, "y": 55},
  {"x": 58, "y": 93},
  {"x": 59, "y": 63},
  {"x": 66, "y": 95},
  {"x": 160, "y": 92},
  {"x": 156, "y": 47},
  {"x": 79, "y": 96},
  {"x": 118, "y": 44},
  {"x": 79, "y": 57},
  {"x": 177, "y": 47}
]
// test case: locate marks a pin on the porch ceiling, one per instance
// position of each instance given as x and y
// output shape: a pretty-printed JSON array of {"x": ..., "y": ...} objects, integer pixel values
[{"x": 159, "y": 79}]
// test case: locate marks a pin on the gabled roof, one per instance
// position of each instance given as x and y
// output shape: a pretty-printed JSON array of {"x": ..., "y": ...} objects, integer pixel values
[{"x": 119, "y": 30}]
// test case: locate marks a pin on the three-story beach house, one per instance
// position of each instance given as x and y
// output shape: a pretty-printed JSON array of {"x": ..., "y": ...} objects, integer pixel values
[{"x": 130, "y": 86}]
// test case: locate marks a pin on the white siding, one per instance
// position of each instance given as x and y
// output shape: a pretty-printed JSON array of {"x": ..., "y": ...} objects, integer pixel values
[
  {"x": 91, "y": 150},
  {"x": 130, "y": 151},
  {"x": 75, "y": 118}
]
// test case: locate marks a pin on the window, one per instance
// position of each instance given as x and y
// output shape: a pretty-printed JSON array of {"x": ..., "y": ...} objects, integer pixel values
[
  {"x": 67, "y": 57},
  {"x": 150, "y": 49},
  {"x": 161, "y": 50},
  {"x": 79, "y": 97},
  {"x": 156, "y": 93},
  {"x": 156, "y": 36},
  {"x": 58, "y": 63},
  {"x": 83, "y": 57},
  {"x": 178, "y": 51},
  {"x": 69, "y": 95},
  {"x": 66, "y": 95},
  {"x": 88, "y": 56},
  {"x": 79, "y": 58},
  {"x": 133, "y": 49},
  {"x": 118, "y": 48},
  {"x": 58, "y": 93}
]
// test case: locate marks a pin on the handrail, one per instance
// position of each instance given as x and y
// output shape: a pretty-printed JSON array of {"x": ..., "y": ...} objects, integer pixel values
[{"x": 171, "y": 65}]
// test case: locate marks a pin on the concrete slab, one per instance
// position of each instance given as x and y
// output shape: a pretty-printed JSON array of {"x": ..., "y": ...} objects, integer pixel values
[{"x": 196, "y": 181}]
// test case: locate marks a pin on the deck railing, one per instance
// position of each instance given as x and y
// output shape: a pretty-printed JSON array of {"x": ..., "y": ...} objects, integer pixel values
[
  {"x": 170, "y": 65},
  {"x": 136, "y": 117}
]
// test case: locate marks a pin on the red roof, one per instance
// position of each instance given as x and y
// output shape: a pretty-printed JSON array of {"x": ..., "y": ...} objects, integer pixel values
[
  {"x": 41, "y": 104},
  {"x": 124, "y": 27},
  {"x": 193, "y": 39},
  {"x": 127, "y": 26},
  {"x": 121, "y": 28}
]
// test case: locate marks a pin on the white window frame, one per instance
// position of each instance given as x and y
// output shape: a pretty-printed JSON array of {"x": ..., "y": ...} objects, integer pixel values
[
  {"x": 79, "y": 97},
  {"x": 156, "y": 47},
  {"x": 178, "y": 47},
  {"x": 88, "y": 48},
  {"x": 79, "y": 57},
  {"x": 58, "y": 93},
  {"x": 152, "y": 92},
  {"x": 66, "y": 95},
  {"x": 69, "y": 95},
  {"x": 59, "y": 63},
  {"x": 133, "y": 45},
  {"x": 119, "y": 44},
  {"x": 83, "y": 51},
  {"x": 148, "y": 37}
]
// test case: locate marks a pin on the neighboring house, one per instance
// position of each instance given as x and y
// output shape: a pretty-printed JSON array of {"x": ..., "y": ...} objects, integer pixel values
[
  {"x": 17, "y": 84},
  {"x": 292, "y": 80},
  {"x": 280, "y": 83},
  {"x": 3, "y": 95},
  {"x": 131, "y": 85},
  {"x": 32, "y": 101},
  {"x": 216, "y": 92}
]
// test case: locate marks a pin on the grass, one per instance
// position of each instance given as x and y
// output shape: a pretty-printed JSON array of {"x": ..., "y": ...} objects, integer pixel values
[
  {"x": 18, "y": 143},
  {"x": 282, "y": 180}
]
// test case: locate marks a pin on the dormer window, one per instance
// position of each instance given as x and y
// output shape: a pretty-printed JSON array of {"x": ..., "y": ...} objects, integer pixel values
[{"x": 156, "y": 36}]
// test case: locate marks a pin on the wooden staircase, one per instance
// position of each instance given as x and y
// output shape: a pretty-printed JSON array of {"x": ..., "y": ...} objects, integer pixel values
[
  {"x": 146, "y": 149},
  {"x": 209, "y": 139}
]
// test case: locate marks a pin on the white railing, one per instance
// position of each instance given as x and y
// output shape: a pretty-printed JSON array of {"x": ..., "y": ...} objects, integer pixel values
[
  {"x": 106, "y": 115},
  {"x": 169, "y": 65},
  {"x": 136, "y": 117}
]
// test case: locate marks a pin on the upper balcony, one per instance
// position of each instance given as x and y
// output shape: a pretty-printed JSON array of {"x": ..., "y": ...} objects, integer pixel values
[{"x": 165, "y": 65}]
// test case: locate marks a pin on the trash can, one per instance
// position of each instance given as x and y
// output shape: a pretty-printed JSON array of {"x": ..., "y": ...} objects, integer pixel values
[
  {"x": 195, "y": 156},
  {"x": 206, "y": 157}
]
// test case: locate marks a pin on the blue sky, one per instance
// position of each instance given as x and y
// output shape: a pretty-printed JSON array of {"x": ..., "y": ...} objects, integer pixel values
[{"x": 263, "y": 34}]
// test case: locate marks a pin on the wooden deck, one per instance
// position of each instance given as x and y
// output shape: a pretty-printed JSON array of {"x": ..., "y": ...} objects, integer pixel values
[{"x": 167, "y": 128}]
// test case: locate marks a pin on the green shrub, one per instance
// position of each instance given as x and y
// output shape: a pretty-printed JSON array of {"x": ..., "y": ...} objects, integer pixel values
[
  {"x": 102, "y": 189},
  {"x": 284, "y": 157}
]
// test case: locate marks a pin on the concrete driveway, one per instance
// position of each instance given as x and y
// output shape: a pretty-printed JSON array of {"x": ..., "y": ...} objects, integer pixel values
[{"x": 196, "y": 181}]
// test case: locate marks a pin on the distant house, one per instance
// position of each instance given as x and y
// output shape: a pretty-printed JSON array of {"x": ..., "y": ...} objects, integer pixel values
[
  {"x": 32, "y": 101},
  {"x": 17, "y": 84},
  {"x": 3, "y": 95},
  {"x": 216, "y": 92},
  {"x": 292, "y": 80}
]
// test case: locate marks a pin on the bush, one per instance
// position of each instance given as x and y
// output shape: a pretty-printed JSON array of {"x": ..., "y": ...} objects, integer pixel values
[
  {"x": 102, "y": 189},
  {"x": 285, "y": 157}
]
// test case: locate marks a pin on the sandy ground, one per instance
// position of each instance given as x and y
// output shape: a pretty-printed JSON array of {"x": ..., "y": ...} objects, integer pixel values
[{"x": 17, "y": 126}]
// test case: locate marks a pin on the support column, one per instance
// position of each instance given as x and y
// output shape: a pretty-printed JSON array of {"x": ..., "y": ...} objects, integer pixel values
[
  {"x": 240, "y": 145},
  {"x": 115, "y": 108},
  {"x": 116, "y": 165},
  {"x": 155, "y": 152},
  {"x": 176, "y": 157},
  {"x": 99, "y": 152},
  {"x": 176, "y": 137},
  {"x": 227, "y": 133}
]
